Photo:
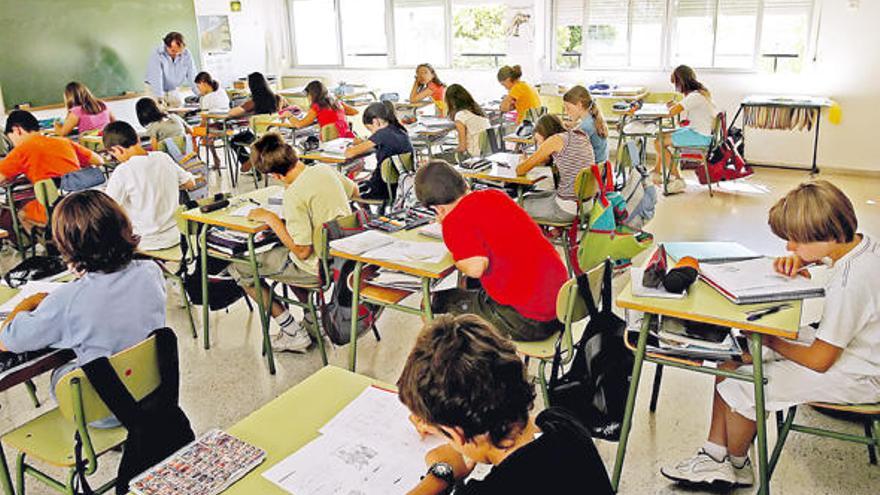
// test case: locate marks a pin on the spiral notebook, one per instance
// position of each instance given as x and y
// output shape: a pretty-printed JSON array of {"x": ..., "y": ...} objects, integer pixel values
[{"x": 755, "y": 281}]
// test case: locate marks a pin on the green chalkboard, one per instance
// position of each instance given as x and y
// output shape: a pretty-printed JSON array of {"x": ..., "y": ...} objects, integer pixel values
[{"x": 105, "y": 44}]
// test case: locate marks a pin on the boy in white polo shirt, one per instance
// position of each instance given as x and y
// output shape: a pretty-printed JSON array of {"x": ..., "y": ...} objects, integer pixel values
[
  {"x": 842, "y": 362},
  {"x": 146, "y": 185}
]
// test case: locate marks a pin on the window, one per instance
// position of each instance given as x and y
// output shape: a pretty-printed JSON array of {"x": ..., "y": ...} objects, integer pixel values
[
  {"x": 420, "y": 32},
  {"x": 364, "y": 43},
  {"x": 733, "y": 34},
  {"x": 478, "y": 38},
  {"x": 315, "y": 33}
]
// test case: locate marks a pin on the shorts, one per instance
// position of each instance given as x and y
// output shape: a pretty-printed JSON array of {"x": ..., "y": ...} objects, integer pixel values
[
  {"x": 276, "y": 265},
  {"x": 685, "y": 137},
  {"x": 504, "y": 318}
]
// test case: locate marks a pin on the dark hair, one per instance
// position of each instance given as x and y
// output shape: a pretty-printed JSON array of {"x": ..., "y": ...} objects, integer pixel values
[
  {"x": 265, "y": 100},
  {"x": 92, "y": 232},
  {"x": 685, "y": 80},
  {"x": 119, "y": 133},
  {"x": 438, "y": 183},
  {"x": 508, "y": 72},
  {"x": 549, "y": 125},
  {"x": 382, "y": 110},
  {"x": 78, "y": 94},
  {"x": 23, "y": 119},
  {"x": 174, "y": 37},
  {"x": 148, "y": 111},
  {"x": 272, "y": 155},
  {"x": 204, "y": 77},
  {"x": 434, "y": 79},
  {"x": 319, "y": 95},
  {"x": 463, "y": 374},
  {"x": 458, "y": 99}
]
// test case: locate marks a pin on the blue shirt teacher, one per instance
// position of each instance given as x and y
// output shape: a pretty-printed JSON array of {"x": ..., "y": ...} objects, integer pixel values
[{"x": 170, "y": 66}]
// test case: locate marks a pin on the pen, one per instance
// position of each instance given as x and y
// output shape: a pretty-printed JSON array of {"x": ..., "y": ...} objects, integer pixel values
[
  {"x": 254, "y": 201},
  {"x": 760, "y": 313}
]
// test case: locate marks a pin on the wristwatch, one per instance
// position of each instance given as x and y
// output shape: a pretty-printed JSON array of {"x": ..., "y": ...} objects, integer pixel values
[{"x": 443, "y": 471}]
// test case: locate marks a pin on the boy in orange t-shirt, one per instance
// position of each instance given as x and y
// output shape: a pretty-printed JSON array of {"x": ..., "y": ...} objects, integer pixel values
[{"x": 39, "y": 157}]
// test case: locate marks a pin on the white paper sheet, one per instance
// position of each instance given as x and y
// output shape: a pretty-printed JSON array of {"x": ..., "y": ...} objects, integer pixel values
[
  {"x": 361, "y": 243},
  {"x": 246, "y": 208},
  {"x": 27, "y": 290}
]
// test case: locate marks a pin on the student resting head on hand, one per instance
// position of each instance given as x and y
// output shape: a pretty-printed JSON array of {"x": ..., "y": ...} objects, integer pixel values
[{"x": 521, "y": 96}]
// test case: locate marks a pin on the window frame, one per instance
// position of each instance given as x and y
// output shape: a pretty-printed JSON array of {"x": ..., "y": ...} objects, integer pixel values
[{"x": 666, "y": 55}]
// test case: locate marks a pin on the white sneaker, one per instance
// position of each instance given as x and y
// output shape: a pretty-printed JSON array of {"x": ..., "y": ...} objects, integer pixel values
[
  {"x": 676, "y": 185},
  {"x": 656, "y": 178},
  {"x": 701, "y": 469},
  {"x": 745, "y": 476},
  {"x": 299, "y": 341}
]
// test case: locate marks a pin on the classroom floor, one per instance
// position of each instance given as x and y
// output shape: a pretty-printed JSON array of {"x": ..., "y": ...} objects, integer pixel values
[{"x": 222, "y": 385}]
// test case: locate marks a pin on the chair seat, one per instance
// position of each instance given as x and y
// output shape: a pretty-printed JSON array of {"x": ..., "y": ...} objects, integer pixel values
[
  {"x": 544, "y": 349},
  {"x": 384, "y": 295},
  {"x": 49, "y": 438},
  {"x": 552, "y": 223},
  {"x": 174, "y": 253},
  {"x": 862, "y": 409}
]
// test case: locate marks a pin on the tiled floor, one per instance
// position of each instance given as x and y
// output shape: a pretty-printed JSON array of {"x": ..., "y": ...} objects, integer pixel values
[{"x": 224, "y": 384}]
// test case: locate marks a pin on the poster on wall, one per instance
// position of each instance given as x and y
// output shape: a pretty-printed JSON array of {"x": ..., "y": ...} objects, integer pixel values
[{"x": 214, "y": 34}]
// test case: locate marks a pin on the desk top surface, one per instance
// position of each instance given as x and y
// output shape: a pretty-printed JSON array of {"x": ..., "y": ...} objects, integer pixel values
[
  {"x": 503, "y": 174},
  {"x": 224, "y": 217},
  {"x": 705, "y": 304},
  {"x": 419, "y": 268}
]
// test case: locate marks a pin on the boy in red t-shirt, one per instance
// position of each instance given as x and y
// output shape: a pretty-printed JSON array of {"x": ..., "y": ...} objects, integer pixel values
[
  {"x": 494, "y": 240},
  {"x": 39, "y": 157}
]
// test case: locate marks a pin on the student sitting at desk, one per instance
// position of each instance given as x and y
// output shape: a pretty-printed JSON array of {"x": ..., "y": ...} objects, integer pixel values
[
  {"x": 263, "y": 100},
  {"x": 570, "y": 152},
  {"x": 697, "y": 118},
  {"x": 579, "y": 106},
  {"x": 389, "y": 138},
  {"x": 520, "y": 95},
  {"x": 493, "y": 240},
  {"x": 39, "y": 157},
  {"x": 313, "y": 196},
  {"x": 115, "y": 301},
  {"x": 464, "y": 382},
  {"x": 326, "y": 110},
  {"x": 146, "y": 185},
  {"x": 159, "y": 125},
  {"x": 470, "y": 121},
  {"x": 837, "y": 362},
  {"x": 211, "y": 95},
  {"x": 84, "y": 111},
  {"x": 428, "y": 85}
]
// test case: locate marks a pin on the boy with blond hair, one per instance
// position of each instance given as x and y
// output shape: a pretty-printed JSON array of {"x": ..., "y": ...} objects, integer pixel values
[{"x": 838, "y": 362}]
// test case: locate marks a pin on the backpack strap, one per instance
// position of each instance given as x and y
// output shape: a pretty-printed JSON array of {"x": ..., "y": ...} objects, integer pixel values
[
  {"x": 583, "y": 285},
  {"x": 606, "y": 287}
]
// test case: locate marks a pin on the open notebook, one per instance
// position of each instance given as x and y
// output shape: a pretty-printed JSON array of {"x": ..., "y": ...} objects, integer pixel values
[{"x": 755, "y": 281}]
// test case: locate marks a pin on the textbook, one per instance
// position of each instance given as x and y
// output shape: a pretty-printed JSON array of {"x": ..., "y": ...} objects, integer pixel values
[
  {"x": 755, "y": 281},
  {"x": 207, "y": 466},
  {"x": 336, "y": 146},
  {"x": 234, "y": 243},
  {"x": 710, "y": 252}
]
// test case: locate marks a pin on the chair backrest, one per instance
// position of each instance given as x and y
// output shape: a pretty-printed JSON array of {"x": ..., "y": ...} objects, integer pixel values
[
  {"x": 260, "y": 124},
  {"x": 533, "y": 114},
  {"x": 662, "y": 97},
  {"x": 719, "y": 129},
  {"x": 47, "y": 195},
  {"x": 489, "y": 142},
  {"x": 138, "y": 369},
  {"x": 329, "y": 132},
  {"x": 347, "y": 222},
  {"x": 571, "y": 307},
  {"x": 394, "y": 166},
  {"x": 585, "y": 186}
]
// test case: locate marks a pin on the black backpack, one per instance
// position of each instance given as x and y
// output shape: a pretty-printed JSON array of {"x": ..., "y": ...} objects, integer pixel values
[
  {"x": 596, "y": 385},
  {"x": 157, "y": 426}
]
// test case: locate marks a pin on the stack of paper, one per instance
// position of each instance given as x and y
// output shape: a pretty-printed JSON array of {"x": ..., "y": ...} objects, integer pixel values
[
  {"x": 675, "y": 339},
  {"x": 369, "y": 447},
  {"x": 755, "y": 281},
  {"x": 429, "y": 121},
  {"x": 432, "y": 230},
  {"x": 245, "y": 210},
  {"x": 380, "y": 246},
  {"x": 396, "y": 280},
  {"x": 336, "y": 146}
]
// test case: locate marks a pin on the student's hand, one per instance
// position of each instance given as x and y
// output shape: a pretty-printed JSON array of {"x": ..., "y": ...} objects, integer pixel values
[
  {"x": 461, "y": 466},
  {"x": 421, "y": 426},
  {"x": 285, "y": 114},
  {"x": 790, "y": 266},
  {"x": 262, "y": 215},
  {"x": 30, "y": 303}
]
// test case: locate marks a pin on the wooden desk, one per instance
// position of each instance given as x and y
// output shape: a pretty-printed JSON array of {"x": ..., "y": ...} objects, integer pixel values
[
  {"x": 391, "y": 298},
  {"x": 290, "y": 421},
  {"x": 224, "y": 218},
  {"x": 704, "y": 304}
]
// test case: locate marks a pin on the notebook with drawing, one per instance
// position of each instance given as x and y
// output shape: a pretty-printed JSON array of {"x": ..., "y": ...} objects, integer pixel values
[
  {"x": 710, "y": 252},
  {"x": 755, "y": 281}
]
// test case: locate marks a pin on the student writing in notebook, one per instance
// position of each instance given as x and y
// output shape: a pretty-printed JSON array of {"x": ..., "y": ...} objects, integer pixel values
[
  {"x": 470, "y": 120},
  {"x": 464, "y": 382},
  {"x": 493, "y": 240},
  {"x": 388, "y": 138},
  {"x": 84, "y": 111},
  {"x": 839, "y": 362}
]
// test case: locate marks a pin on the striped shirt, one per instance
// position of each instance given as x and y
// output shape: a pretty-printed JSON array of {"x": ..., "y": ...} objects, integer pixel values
[{"x": 576, "y": 154}]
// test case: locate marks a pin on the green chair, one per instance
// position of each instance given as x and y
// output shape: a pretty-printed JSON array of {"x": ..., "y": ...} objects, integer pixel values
[
  {"x": 868, "y": 414},
  {"x": 533, "y": 114},
  {"x": 662, "y": 97},
  {"x": 698, "y": 155},
  {"x": 47, "y": 194},
  {"x": 50, "y": 437},
  {"x": 391, "y": 169},
  {"x": 329, "y": 132},
  {"x": 571, "y": 311}
]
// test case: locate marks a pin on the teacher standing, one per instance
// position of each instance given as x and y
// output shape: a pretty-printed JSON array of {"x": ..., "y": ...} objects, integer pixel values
[{"x": 170, "y": 66}]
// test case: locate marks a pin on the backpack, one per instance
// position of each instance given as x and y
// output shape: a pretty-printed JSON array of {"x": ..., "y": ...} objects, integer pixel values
[
  {"x": 190, "y": 162},
  {"x": 638, "y": 192},
  {"x": 336, "y": 315},
  {"x": 595, "y": 387},
  {"x": 222, "y": 288},
  {"x": 406, "y": 192},
  {"x": 240, "y": 144},
  {"x": 34, "y": 268},
  {"x": 82, "y": 179}
]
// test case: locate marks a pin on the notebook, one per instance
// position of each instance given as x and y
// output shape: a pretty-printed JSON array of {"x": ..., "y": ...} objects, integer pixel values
[
  {"x": 710, "y": 252},
  {"x": 755, "y": 281}
]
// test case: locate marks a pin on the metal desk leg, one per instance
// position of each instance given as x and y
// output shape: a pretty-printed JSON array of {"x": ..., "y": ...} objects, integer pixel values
[
  {"x": 815, "y": 169},
  {"x": 520, "y": 192},
  {"x": 631, "y": 400},
  {"x": 231, "y": 162},
  {"x": 355, "y": 302},
  {"x": 262, "y": 306},
  {"x": 761, "y": 423},
  {"x": 664, "y": 173},
  {"x": 426, "y": 299},
  {"x": 203, "y": 248}
]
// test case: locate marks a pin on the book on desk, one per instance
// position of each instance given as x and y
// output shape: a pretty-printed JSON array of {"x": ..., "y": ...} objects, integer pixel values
[{"x": 756, "y": 281}]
